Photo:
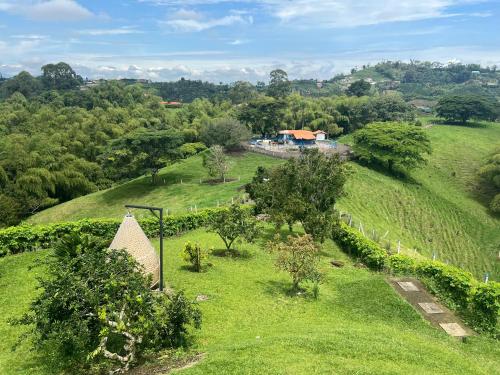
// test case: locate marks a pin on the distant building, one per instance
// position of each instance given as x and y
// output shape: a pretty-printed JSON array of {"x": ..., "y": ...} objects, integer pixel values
[
  {"x": 320, "y": 135},
  {"x": 172, "y": 104},
  {"x": 297, "y": 137}
]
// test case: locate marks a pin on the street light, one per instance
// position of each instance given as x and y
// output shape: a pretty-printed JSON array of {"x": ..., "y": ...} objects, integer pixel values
[{"x": 152, "y": 210}]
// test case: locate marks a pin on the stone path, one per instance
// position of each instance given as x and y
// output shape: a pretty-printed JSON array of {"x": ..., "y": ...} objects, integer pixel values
[{"x": 427, "y": 305}]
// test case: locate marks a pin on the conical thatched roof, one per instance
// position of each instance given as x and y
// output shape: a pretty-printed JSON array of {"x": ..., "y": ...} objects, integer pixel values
[{"x": 131, "y": 237}]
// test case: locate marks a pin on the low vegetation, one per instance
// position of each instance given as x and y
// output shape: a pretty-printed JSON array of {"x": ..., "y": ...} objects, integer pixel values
[
  {"x": 251, "y": 324},
  {"x": 97, "y": 310}
]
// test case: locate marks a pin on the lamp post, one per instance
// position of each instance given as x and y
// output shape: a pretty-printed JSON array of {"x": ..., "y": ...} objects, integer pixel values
[{"x": 160, "y": 217}]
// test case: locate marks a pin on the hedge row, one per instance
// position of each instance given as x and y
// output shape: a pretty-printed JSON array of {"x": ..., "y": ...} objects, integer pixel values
[
  {"x": 477, "y": 302},
  {"x": 23, "y": 238}
]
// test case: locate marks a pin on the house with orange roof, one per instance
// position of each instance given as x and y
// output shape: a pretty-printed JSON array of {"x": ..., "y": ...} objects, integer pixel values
[{"x": 298, "y": 137}]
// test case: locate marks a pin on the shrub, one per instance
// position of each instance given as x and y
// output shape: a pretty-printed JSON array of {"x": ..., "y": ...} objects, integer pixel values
[
  {"x": 96, "y": 308},
  {"x": 194, "y": 254},
  {"x": 299, "y": 256},
  {"x": 368, "y": 251},
  {"x": 233, "y": 223},
  {"x": 484, "y": 308},
  {"x": 401, "y": 264},
  {"x": 23, "y": 238}
]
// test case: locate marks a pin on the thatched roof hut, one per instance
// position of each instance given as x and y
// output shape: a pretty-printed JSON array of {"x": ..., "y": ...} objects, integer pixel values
[{"x": 132, "y": 238}]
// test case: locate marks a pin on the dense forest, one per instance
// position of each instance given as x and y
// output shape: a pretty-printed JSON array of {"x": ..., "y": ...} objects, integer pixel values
[{"x": 62, "y": 137}]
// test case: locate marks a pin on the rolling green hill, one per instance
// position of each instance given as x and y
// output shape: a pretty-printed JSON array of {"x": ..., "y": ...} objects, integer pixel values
[
  {"x": 179, "y": 190},
  {"x": 359, "y": 325},
  {"x": 438, "y": 210}
]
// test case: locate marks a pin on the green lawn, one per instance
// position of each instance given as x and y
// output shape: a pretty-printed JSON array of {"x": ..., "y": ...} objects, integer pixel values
[
  {"x": 359, "y": 325},
  {"x": 170, "y": 193}
]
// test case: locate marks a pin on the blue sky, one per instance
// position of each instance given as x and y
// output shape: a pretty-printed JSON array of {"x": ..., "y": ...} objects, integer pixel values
[{"x": 223, "y": 40}]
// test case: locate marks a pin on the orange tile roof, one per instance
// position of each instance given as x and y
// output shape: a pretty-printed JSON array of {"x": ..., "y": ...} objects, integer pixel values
[{"x": 300, "y": 134}]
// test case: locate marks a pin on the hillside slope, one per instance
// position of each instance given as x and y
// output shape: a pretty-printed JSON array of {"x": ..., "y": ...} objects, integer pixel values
[
  {"x": 179, "y": 189},
  {"x": 359, "y": 325},
  {"x": 437, "y": 211}
]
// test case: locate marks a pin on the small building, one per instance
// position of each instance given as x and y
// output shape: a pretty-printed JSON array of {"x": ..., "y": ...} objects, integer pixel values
[
  {"x": 297, "y": 137},
  {"x": 320, "y": 135},
  {"x": 172, "y": 104}
]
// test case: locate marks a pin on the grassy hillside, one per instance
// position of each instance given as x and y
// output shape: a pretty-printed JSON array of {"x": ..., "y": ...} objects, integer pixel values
[
  {"x": 438, "y": 209},
  {"x": 359, "y": 325},
  {"x": 170, "y": 193}
]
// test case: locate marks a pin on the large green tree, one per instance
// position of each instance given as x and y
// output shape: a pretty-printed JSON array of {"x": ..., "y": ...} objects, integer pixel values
[
  {"x": 226, "y": 132},
  {"x": 263, "y": 114},
  {"x": 144, "y": 151},
  {"x": 60, "y": 76},
  {"x": 279, "y": 85},
  {"x": 465, "y": 107},
  {"x": 304, "y": 189},
  {"x": 392, "y": 144},
  {"x": 359, "y": 88}
]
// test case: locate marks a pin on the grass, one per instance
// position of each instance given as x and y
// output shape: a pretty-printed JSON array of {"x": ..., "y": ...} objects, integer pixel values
[
  {"x": 439, "y": 209},
  {"x": 251, "y": 325},
  {"x": 170, "y": 193}
]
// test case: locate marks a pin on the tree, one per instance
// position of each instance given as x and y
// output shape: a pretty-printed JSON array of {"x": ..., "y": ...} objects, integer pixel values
[
  {"x": 226, "y": 132},
  {"x": 465, "y": 107},
  {"x": 392, "y": 144},
  {"x": 263, "y": 115},
  {"x": 60, "y": 76},
  {"x": 96, "y": 307},
  {"x": 279, "y": 85},
  {"x": 242, "y": 92},
  {"x": 215, "y": 160},
  {"x": 359, "y": 88},
  {"x": 143, "y": 150},
  {"x": 233, "y": 223},
  {"x": 304, "y": 189},
  {"x": 23, "y": 83},
  {"x": 299, "y": 256}
]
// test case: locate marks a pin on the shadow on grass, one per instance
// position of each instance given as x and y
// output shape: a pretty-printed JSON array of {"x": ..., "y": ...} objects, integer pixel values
[
  {"x": 468, "y": 124},
  {"x": 397, "y": 174},
  {"x": 233, "y": 253},
  {"x": 279, "y": 288},
  {"x": 142, "y": 186}
]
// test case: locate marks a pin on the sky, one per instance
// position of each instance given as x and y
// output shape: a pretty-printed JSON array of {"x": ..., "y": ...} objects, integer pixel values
[{"x": 225, "y": 41}]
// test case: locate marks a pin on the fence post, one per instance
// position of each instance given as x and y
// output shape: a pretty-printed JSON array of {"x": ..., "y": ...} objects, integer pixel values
[{"x": 399, "y": 246}]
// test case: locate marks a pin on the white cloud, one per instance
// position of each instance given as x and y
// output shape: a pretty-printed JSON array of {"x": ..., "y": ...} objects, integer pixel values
[
  {"x": 47, "y": 10},
  {"x": 238, "y": 42},
  {"x": 342, "y": 13},
  {"x": 116, "y": 31},
  {"x": 192, "y": 21}
]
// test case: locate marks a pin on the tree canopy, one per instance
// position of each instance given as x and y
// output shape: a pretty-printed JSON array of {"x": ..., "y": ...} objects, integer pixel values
[
  {"x": 304, "y": 190},
  {"x": 465, "y": 107},
  {"x": 392, "y": 144}
]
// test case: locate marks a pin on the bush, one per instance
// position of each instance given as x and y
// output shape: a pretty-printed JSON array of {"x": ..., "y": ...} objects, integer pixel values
[
  {"x": 401, "y": 264},
  {"x": 299, "y": 256},
  {"x": 96, "y": 308},
  {"x": 368, "y": 251},
  {"x": 233, "y": 223},
  {"x": 23, "y": 238},
  {"x": 194, "y": 254}
]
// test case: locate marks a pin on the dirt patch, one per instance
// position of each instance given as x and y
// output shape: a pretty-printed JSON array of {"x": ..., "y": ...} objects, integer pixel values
[{"x": 166, "y": 364}]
